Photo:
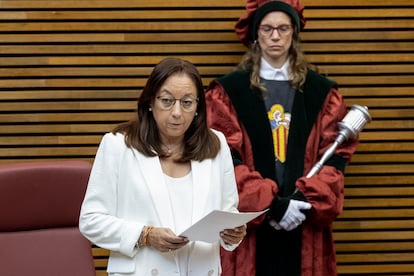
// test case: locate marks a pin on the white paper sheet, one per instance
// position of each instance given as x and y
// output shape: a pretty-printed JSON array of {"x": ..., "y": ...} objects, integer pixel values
[{"x": 209, "y": 227}]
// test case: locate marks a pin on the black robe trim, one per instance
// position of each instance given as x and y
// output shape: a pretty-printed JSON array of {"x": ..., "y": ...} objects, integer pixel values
[{"x": 252, "y": 114}]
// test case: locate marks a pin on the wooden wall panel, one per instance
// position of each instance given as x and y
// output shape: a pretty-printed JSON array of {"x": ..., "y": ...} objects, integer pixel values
[{"x": 71, "y": 70}]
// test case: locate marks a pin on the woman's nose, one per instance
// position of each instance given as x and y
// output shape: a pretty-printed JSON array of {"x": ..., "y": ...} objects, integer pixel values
[{"x": 176, "y": 108}]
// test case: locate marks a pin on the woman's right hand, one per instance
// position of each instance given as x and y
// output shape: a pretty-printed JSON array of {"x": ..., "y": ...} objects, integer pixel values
[{"x": 165, "y": 240}]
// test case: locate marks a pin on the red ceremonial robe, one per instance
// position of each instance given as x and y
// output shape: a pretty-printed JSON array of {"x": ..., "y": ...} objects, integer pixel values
[{"x": 325, "y": 191}]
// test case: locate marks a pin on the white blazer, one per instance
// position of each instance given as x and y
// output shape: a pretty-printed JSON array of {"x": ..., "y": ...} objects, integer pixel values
[{"x": 126, "y": 191}]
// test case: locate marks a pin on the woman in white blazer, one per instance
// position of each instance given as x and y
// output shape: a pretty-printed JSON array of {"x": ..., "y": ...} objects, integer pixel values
[{"x": 158, "y": 174}]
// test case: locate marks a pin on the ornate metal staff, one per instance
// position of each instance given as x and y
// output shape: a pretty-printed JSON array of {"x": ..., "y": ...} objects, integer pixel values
[{"x": 350, "y": 126}]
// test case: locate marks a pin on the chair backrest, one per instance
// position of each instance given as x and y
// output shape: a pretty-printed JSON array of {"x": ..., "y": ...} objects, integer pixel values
[{"x": 39, "y": 213}]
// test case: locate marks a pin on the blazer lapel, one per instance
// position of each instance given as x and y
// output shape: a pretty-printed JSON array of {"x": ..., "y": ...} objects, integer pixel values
[{"x": 154, "y": 179}]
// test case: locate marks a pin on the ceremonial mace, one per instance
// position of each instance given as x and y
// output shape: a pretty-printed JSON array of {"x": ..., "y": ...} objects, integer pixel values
[{"x": 350, "y": 126}]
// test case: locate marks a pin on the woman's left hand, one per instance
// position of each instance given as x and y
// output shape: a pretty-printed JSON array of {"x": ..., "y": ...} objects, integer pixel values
[{"x": 235, "y": 235}]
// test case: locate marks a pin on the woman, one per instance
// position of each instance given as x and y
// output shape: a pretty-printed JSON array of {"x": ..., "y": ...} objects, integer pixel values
[
  {"x": 279, "y": 116},
  {"x": 155, "y": 176}
]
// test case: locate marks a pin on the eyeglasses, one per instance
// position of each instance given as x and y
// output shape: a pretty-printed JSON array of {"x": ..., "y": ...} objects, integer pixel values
[
  {"x": 188, "y": 103},
  {"x": 267, "y": 30}
]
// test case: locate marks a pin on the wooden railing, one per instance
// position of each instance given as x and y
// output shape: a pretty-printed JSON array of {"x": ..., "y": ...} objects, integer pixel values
[{"x": 71, "y": 70}]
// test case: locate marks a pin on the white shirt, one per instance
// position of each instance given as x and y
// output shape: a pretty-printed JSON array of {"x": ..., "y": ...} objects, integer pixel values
[{"x": 180, "y": 191}]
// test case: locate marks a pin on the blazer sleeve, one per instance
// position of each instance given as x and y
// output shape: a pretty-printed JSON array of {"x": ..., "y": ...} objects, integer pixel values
[
  {"x": 98, "y": 221},
  {"x": 230, "y": 195}
]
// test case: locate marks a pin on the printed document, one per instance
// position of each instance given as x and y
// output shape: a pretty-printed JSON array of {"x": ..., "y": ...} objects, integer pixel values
[{"x": 209, "y": 227}]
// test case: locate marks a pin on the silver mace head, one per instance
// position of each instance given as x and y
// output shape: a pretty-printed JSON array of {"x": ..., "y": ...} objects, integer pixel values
[{"x": 352, "y": 124}]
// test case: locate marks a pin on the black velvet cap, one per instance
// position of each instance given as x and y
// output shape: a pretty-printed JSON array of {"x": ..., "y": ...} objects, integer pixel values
[{"x": 271, "y": 6}]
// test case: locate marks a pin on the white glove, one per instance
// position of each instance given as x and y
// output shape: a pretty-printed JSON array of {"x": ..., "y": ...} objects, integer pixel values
[{"x": 293, "y": 216}]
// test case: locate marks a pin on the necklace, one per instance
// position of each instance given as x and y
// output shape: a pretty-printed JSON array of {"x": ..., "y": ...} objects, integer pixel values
[{"x": 170, "y": 150}]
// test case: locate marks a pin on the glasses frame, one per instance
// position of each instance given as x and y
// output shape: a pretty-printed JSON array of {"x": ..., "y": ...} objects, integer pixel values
[
  {"x": 277, "y": 28},
  {"x": 174, "y": 100}
]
